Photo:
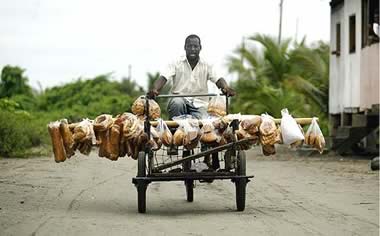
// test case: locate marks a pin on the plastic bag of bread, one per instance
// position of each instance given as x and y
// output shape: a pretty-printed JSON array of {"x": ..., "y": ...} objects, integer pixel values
[
  {"x": 67, "y": 138},
  {"x": 314, "y": 136},
  {"x": 84, "y": 135},
  {"x": 243, "y": 134},
  {"x": 57, "y": 142},
  {"x": 192, "y": 134},
  {"x": 164, "y": 133},
  {"x": 298, "y": 143},
  {"x": 268, "y": 130},
  {"x": 138, "y": 108},
  {"x": 208, "y": 134},
  {"x": 84, "y": 131},
  {"x": 289, "y": 128},
  {"x": 120, "y": 121},
  {"x": 114, "y": 142},
  {"x": 217, "y": 106},
  {"x": 251, "y": 123},
  {"x": 138, "y": 140},
  {"x": 130, "y": 126},
  {"x": 268, "y": 150},
  {"x": 102, "y": 124},
  {"x": 182, "y": 130},
  {"x": 179, "y": 136},
  {"x": 155, "y": 141}
]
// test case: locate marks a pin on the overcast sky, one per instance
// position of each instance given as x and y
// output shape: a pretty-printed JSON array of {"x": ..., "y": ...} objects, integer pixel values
[{"x": 60, "y": 41}]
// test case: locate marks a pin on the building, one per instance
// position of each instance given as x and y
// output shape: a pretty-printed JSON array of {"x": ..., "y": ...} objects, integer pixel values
[{"x": 354, "y": 74}]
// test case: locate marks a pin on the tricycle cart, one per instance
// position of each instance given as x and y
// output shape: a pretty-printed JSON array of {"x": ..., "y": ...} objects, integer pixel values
[{"x": 164, "y": 166}]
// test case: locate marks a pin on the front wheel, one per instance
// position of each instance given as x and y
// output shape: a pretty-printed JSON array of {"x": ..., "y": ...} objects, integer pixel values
[
  {"x": 141, "y": 196},
  {"x": 189, "y": 190},
  {"x": 241, "y": 183},
  {"x": 141, "y": 164}
]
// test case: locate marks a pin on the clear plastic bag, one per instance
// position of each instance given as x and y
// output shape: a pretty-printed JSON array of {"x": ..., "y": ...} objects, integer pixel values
[
  {"x": 187, "y": 133},
  {"x": 138, "y": 108},
  {"x": 217, "y": 106},
  {"x": 314, "y": 136},
  {"x": 164, "y": 133},
  {"x": 208, "y": 134},
  {"x": 268, "y": 130},
  {"x": 290, "y": 130}
]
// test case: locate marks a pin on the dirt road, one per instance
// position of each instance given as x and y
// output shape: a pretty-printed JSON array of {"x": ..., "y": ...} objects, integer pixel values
[{"x": 93, "y": 196}]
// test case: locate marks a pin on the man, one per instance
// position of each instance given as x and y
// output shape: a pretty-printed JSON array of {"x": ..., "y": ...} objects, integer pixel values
[{"x": 189, "y": 75}]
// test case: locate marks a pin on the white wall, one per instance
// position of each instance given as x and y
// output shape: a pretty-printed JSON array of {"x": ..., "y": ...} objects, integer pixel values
[{"x": 345, "y": 73}]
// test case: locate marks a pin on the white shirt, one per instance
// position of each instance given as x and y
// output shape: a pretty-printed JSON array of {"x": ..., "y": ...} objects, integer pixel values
[{"x": 187, "y": 81}]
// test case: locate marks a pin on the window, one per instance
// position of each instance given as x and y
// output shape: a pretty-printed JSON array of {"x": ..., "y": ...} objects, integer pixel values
[
  {"x": 338, "y": 39},
  {"x": 370, "y": 16},
  {"x": 352, "y": 34}
]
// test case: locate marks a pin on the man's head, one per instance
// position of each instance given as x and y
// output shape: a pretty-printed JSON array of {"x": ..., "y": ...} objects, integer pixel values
[{"x": 192, "y": 47}]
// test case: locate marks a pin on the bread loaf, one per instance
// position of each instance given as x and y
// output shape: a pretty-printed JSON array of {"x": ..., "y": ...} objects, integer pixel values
[
  {"x": 67, "y": 138},
  {"x": 57, "y": 142},
  {"x": 85, "y": 147},
  {"x": 114, "y": 140},
  {"x": 251, "y": 124},
  {"x": 208, "y": 134},
  {"x": 178, "y": 137},
  {"x": 268, "y": 150},
  {"x": 102, "y": 136},
  {"x": 167, "y": 138},
  {"x": 103, "y": 122}
]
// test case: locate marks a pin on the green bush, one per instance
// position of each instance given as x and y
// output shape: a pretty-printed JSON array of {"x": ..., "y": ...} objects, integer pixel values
[{"x": 14, "y": 133}]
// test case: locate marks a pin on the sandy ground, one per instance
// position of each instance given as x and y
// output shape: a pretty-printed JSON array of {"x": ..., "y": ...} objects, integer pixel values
[{"x": 290, "y": 195}]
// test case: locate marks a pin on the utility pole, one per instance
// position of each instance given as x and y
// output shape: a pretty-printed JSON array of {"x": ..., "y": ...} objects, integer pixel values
[
  {"x": 280, "y": 27},
  {"x": 295, "y": 36},
  {"x": 130, "y": 72}
]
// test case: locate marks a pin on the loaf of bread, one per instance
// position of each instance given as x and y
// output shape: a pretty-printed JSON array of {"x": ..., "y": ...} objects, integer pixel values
[
  {"x": 178, "y": 137},
  {"x": 85, "y": 147},
  {"x": 251, "y": 124},
  {"x": 167, "y": 138},
  {"x": 114, "y": 140},
  {"x": 208, "y": 134},
  {"x": 268, "y": 150},
  {"x": 217, "y": 106},
  {"x": 103, "y": 122},
  {"x": 57, "y": 142},
  {"x": 102, "y": 137},
  {"x": 67, "y": 138}
]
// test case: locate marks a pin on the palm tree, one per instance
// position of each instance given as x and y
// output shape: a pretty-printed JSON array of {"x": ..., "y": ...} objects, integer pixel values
[{"x": 281, "y": 75}]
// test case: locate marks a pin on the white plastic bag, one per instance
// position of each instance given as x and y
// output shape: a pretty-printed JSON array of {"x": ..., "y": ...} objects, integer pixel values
[
  {"x": 314, "y": 136},
  {"x": 289, "y": 128},
  {"x": 217, "y": 106},
  {"x": 164, "y": 133}
]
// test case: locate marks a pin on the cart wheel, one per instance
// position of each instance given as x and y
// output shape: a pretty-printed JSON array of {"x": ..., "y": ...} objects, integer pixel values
[
  {"x": 241, "y": 183},
  {"x": 141, "y": 196},
  {"x": 189, "y": 190},
  {"x": 141, "y": 165}
]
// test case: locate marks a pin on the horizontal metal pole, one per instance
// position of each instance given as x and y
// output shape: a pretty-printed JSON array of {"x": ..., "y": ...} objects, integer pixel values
[
  {"x": 150, "y": 179},
  {"x": 174, "y": 124},
  {"x": 188, "y": 95}
]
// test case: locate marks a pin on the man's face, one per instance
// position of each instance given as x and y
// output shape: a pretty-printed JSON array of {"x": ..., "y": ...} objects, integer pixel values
[{"x": 192, "y": 48}]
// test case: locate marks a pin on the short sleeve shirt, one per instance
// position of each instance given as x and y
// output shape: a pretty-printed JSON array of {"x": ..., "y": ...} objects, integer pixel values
[{"x": 187, "y": 81}]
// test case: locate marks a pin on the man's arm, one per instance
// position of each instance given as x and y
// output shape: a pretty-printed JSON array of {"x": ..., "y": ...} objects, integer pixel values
[
  {"x": 157, "y": 86},
  {"x": 222, "y": 84}
]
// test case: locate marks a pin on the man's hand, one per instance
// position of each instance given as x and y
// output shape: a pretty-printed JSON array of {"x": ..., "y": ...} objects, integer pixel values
[
  {"x": 152, "y": 93},
  {"x": 228, "y": 91}
]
